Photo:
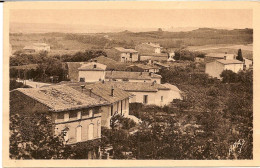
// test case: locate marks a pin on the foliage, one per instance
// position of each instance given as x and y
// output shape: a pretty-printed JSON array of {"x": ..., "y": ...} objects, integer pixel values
[
  {"x": 239, "y": 55},
  {"x": 82, "y": 56},
  {"x": 14, "y": 85},
  {"x": 31, "y": 138}
]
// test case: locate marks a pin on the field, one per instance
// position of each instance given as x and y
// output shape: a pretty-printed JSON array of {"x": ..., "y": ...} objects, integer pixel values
[
  {"x": 206, "y": 40},
  {"x": 247, "y": 50}
]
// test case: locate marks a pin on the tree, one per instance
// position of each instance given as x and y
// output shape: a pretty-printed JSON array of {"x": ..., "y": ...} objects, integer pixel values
[
  {"x": 31, "y": 138},
  {"x": 228, "y": 76},
  {"x": 239, "y": 55}
]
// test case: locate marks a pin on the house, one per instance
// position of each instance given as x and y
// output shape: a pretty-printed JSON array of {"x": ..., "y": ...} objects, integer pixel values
[
  {"x": 127, "y": 55},
  {"x": 73, "y": 113},
  {"x": 215, "y": 68},
  {"x": 110, "y": 63},
  {"x": 91, "y": 72},
  {"x": 248, "y": 64},
  {"x": 155, "y": 57},
  {"x": 143, "y": 68},
  {"x": 37, "y": 47},
  {"x": 132, "y": 76},
  {"x": 161, "y": 65},
  {"x": 148, "y": 48},
  {"x": 149, "y": 93},
  {"x": 118, "y": 99},
  {"x": 214, "y": 56}
]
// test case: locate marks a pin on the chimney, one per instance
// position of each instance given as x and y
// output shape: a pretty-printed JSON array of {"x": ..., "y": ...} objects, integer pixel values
[
  {"x": 225, "y": 57},
  {"x": 90, "y": 92},
  {"x": 82, "y": 87},
  {"x": 112, "y": 91}
]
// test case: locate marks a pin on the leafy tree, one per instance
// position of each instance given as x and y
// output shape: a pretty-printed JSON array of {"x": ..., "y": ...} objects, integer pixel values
[
  {"x": 31, "y": 138},
  {"x": 228, "y": 76}
]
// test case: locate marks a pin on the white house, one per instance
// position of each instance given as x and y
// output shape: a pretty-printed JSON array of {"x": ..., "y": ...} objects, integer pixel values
[
  {"x": 118, "y": 99},
  {"x": 149, "y": 93},
  {"x": 148, "y": 48},
  {"x": 215, "y": 68},
  {"x": 128, "y": 76},
  {"x": 214, "y": 56},
  {"x": 127, "y": 55},
  {"x": 91, "y": 72},
  {"x": 248, "y": 64}
]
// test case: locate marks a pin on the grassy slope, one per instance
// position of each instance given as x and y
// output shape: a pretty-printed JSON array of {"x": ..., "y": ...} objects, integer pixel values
[{"x": 59, "y": 43}]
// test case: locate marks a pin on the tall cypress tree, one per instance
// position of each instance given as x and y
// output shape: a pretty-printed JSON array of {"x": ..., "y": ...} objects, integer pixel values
[{"x": 239, "y": 55}]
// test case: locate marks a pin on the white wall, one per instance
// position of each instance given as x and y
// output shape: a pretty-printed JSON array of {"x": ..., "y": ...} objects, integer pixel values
[
  {"x": 214, "y": 69},
  {"x": 92, "y": 76},
  {"x": 154, "y": 98},
  {"x": 127, "y": 57},
  {"x": 157, "y": 50},
  {"x": 234, "y": 67}
]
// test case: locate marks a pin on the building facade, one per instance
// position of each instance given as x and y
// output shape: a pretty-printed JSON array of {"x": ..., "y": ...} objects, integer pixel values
[
  {"x": 127, "y": 55},
  {"x": 91, "y": 72},
  {"x": 215, "y": 68},
  {"x": 75, "y": 115}
]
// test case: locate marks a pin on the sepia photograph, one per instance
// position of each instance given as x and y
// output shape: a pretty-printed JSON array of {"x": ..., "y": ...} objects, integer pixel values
[{"x": 130, "y": 83}]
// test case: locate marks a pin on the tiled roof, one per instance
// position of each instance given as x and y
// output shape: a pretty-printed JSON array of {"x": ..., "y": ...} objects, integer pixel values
[
  {"x": 130, "y": 75},
  {"x": 223, "y": 61},
  {"x": 219, "y": 55},
  {"x": 154, "y": 54},
  {"x": 92, "y": 66},
  {"x": 110, "y": 63},
  {"x": 101, "y": 89},
  {"x": 143, "y": 66},
  {"x": 121, "y": 49},
  {"x": 161, "y": 64},
  {"x": 137, "y": 86},
  {"x": 61, "y": 97},
  {"x": 172, "y": 87}
]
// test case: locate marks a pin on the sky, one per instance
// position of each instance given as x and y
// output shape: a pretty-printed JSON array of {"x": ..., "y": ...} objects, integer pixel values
[{"x": 142, "y": 18}]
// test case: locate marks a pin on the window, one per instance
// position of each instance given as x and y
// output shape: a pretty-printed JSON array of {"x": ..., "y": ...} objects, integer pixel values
[
  {"x": 145, "y": 101},
  {"x": 60, "y": 116},
  {"x": 95, "y": 66},
  {"x": 91, "y": 114},
  {"x": 79, "y": 115},
  {"x": 78, "y": 132},
  {"x": 73, "y": 115},
  {"x": 82, "y": 79},
  {"x": 91, "y": 131},
  {"x": 131, "y": 55},
  {"x": 161, "y": 98},
  {"x": 66, "y": 117}
]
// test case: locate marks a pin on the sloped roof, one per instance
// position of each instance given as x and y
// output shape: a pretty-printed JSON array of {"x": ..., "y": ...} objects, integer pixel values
[
  {"x": 223, "y": 61},
  {"x": 130, "y": 75},
  {"x": 103, "y": 90},
  {"x": 121, "y": 49},
  {"x": 110, "y": 63},
  {"x": 137, "y": 86},
  {"x": 61, "y": 97},
  {"x": 154, "y": 54},
  {"x": 143, "y": 66},
  {"x": 172, "y": 87},
  {"x": 91, "y": 67},
  {"x": 218, "y": 55}
]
